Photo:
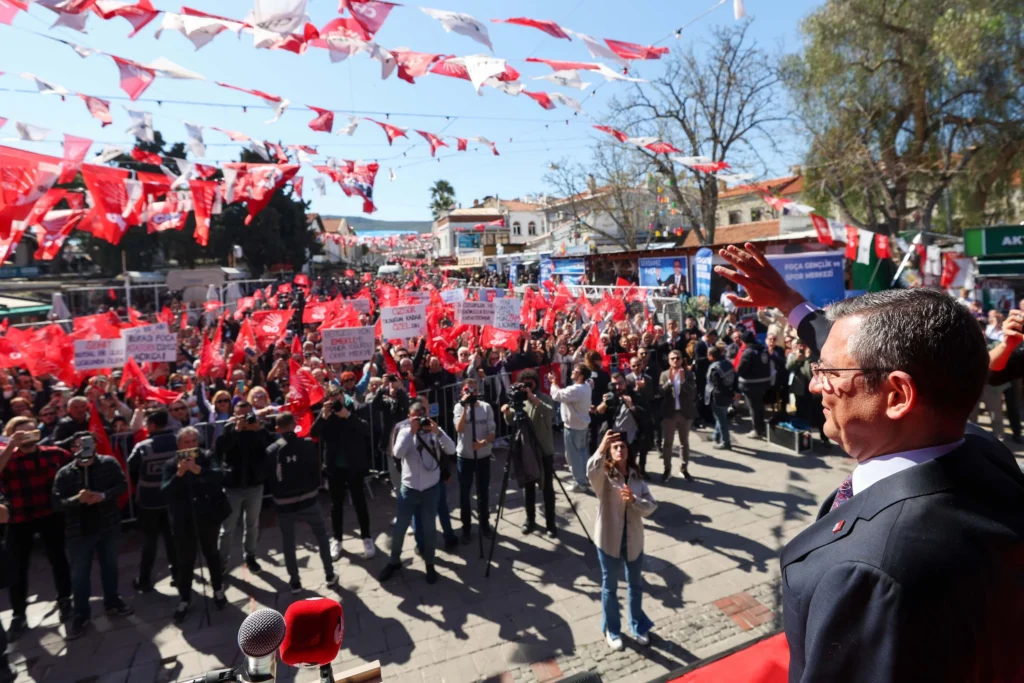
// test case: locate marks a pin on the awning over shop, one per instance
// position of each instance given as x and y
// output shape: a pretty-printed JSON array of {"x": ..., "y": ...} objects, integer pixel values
[
  {"x": 1001, "y": 267},
  {"x": 13, "y": 306}
]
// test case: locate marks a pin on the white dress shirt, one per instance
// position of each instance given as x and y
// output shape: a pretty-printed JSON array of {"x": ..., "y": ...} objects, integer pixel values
[{"x": 870, "y": 472}]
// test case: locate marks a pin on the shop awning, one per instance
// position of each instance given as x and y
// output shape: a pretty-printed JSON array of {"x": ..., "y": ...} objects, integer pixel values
[
  {"x": 1001, "y": 267},
  {"x": 10, "y": 306}
]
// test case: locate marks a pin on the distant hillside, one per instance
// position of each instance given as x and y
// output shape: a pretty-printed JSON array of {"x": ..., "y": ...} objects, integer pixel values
[{"x": 361, "y": 224}]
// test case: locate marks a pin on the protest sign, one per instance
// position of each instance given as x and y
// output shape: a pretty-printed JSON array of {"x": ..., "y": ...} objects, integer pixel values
[
  {"x": 474, "y": 312},
  {"x": 402, "y": 322},
  {"x": 360, "y": 304},
  {"x": 150, "y": 344},
  {"x": 348, "y": 344},
  {"x": 450, "y": 296},
  {"x": 420, "y": 297},
  {"x": 506, "y": 314},
  {"x": 94, "y": 354}
]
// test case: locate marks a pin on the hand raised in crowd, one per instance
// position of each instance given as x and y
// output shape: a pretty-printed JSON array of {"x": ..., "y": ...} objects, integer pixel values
[
  {"x": 607, "y": 440},
  {"x": 1013, "y": 328},
  {"x": 627, "y": 495},
  {"x": 765, "y": 286}
]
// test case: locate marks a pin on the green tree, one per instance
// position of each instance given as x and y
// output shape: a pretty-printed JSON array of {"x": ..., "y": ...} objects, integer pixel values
[
  {"x": 902, "y": 101},
  {"x": 442, "y": 198}
]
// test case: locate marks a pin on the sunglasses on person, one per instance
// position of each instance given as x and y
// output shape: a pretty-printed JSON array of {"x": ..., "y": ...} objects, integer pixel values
[{"x": 223, "y": 400}]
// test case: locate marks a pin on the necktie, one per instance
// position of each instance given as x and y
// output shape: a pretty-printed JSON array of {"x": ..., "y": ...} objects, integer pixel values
[{"x": 844, "y": 493}]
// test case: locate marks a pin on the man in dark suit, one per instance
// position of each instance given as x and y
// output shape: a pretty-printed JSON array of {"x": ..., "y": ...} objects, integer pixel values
[
  {"x": 677, "y": 277},
  {"x": 914, "y": 569}
]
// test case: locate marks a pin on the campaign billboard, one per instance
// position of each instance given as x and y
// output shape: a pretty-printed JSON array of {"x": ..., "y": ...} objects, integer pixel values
[
  {"x": 702, "y": 263},
  {"x": 817, "y": 276},
  {"x": 570, "y": 270},
  {"x": 664, "y": 271}
]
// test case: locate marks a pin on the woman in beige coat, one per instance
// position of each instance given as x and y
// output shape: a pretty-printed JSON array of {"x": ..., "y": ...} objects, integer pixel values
[{"x": 623, "y": 500}]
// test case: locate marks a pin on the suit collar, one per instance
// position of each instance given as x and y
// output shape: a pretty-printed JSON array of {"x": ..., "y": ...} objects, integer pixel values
[{"x": 921, "y": 480}]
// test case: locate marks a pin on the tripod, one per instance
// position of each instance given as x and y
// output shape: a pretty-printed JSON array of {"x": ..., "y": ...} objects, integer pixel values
[{"x": 522, "y": 429}]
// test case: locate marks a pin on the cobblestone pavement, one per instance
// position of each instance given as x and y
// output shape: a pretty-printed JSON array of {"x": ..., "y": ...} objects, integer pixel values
[{"x": 711, "y": 570}]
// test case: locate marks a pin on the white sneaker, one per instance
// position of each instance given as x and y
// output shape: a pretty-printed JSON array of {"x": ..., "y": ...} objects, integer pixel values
[
  {"x": 643, "y": 640},
  {"x": 335, "y": 549},
  {"x": 410, "y": 531},
  {"x": 368, "y": 549},
  {"x": 576, "y": 487},
  {"x": 614, "y": 642}
]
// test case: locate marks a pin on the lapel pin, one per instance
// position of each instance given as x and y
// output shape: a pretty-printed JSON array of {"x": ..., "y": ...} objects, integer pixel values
[{"x": 839, "y": 526}]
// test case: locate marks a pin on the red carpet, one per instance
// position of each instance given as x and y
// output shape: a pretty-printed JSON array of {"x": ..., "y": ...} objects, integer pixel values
[{"x": 764, "y": 662}]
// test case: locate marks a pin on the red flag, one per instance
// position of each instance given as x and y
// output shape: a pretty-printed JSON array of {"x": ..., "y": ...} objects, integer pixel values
[
  {"x": 211, "y": 358},
  {"x": 622, "y": 282},
  {"x": 558, "y": 65},
  {"x": 270, "y": 326},
  {"x": 324, "y": 120},
  {"x": 435, "y": 142},
  {"x": 412, "y": 388},
  {"x": 297, "y": 186},
  {"x": 823, "y": 230},
  {"x": 549, "y": 27},
  {"x": 634, "y": 51},
  {"x": 412, "y": 65},
  {"x": 98, "y": 108},
  {"x": 461, "y": 142},
  {"x": 110, "y": 199},
  {"x": 662, "y": 148},
  {"x": 391, "y": 131},
  {"x": 851, "y": 242},
  {"x": 540, "y": 98},
  {"x": 369, "y": 13},
  {"x": 138, "y": 15},
  {"x": 296, "y": 349},
  {"x": 617, "y": 134},
  {"x": 390, "y": 366},
  {"x": 53, "y": 230},
  {"x": 203, "y": 194},
  {"x": 75, "y": 149},
  {"x": 302, "y": 379},
  {"x": 882, "y": 246},
  {"x": 950, "y": 269},
  {"x": 103, "y": 447},
  {"x": 491, "y": 337},
  {"x": 593, "y": 340},
  {"x": 144, "y": 157},
  {"x": 135, "y": 77}
]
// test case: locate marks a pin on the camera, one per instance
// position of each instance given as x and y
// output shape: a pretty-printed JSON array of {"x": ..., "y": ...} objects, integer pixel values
[
  {"x": 424, "y": 421},
  {"x": 86, "y": 448},
  {"x": 186, "y": 454},
  {"x": 469, "y": 399},
  {"x": 251, "y": 419},
  {"x": 517, "y": 396},
  {"x": 611, "y": 399},
  {"x": 391, "y": 377},
  {"x": 337, "y": 405}
]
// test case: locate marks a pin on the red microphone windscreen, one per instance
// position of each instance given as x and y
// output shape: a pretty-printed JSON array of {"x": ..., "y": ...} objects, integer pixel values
[{"x": 313, "y": 632}]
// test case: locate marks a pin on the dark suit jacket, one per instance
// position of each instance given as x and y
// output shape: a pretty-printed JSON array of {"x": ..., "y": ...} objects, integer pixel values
[
  {"x": 687, "y": 395},
  {"x": 918, "y": 578}
]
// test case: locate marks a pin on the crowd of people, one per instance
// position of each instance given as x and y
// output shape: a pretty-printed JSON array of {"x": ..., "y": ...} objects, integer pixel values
[{"x": 196, "y": 446}]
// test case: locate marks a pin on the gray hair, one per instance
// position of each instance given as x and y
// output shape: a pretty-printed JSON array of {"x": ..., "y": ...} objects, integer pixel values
[
  {"x": 185, "y": 431},
  {"x": 924, "y": 333}
]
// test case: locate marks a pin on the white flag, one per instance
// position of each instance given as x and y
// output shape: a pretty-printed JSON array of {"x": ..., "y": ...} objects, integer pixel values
[
  {"x": 482, "y": 67},
  {"x": 391, "y": 175},
  {"x": 388, "y": 63},
  {"x": 273, "y": 20},
  {"x": 838, "y": 230},
  {"x": 567, "y": 78},
  {"x": 303, "y": 157},
  {"x": 165, "y": 67},
  {"x": 566, "y": 101},
  {"x": 320, "y": 186},
  {"x": 259, "y": 148},
  {"x": 195, "y": 139},
  {"x": 865, "y": 245},
  {"x": 230, "y": 176},
  {"x": 46, "y": 88},
  {"x": 641, "y": 142},
  {"x": 612, "y": 75},
  {"x": 279, "y": 108},
  {"x": 738, "y": 11},
  {"x": 26, "y": 131},
  {"x": 686, "y": 161},
  {"x": 109, "y": 152},
  {"x": 353, "y": 123},
  {"x": 463, "y": 24},
  {"x": 598, "y": 49},
  {"x": 512, "y": 88},
  {"x": 142, "y": 125}
]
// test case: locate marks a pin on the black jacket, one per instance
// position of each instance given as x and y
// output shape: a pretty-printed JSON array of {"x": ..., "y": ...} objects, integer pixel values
[
  {"x": 242, "y": 455},
  {"x": 345, "y": 442},
  {"x": 296, "y": 472},
  {"x": 67, "y": 427},
  {"x": 193, "y": 493},
  {"x": 755, "y": 367},
  {"x": 146, "y": 468},
  {"x": 917, "y": 578}
]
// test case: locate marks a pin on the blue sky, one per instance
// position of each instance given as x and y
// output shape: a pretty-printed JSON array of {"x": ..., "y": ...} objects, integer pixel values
[{"x": 434, "y": 104}]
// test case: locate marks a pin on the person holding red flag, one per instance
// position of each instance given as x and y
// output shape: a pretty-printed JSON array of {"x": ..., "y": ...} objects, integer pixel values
[{"x": 86, "y": 490}]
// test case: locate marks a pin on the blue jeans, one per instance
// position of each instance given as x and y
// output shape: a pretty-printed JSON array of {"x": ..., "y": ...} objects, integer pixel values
[
  {"x": 442, "y": 514},
  {"x": 639, "y": 624},
  {"x": 80, "y": 551},
  {"x": 576, "y": 453},
  {"x": 423, "y": 504},
  {"x": 721, "y": 414},
  {"x": 470, "y": 470}
]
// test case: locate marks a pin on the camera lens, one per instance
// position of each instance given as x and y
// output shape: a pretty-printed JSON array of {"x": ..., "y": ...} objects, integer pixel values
[{"x": 336, "y": 405}]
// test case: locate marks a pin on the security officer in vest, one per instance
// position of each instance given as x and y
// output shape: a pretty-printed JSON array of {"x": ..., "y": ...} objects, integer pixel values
[{"x": 145, "y": 468}]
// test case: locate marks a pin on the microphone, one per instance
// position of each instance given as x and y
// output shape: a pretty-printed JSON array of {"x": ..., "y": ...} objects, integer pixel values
[
  {"x": 313, "y": 633},
  {"x": 259, "y": 637}
]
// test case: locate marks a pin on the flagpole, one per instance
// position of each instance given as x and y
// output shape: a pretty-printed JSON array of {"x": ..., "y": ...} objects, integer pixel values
[{"x": 127, "y": 282}]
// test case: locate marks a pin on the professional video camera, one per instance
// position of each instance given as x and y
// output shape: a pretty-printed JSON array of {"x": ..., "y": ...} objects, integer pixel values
[{"x": 517, "y": 396}]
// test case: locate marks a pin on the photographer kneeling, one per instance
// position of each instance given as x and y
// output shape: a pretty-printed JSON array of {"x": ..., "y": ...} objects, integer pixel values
[
  {"x": 198, "y": 505},
  {"x": 422, "y": 447},
  {"x": 86, "y": 491},
  {"x": 540, "y": 415}
]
